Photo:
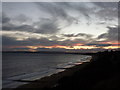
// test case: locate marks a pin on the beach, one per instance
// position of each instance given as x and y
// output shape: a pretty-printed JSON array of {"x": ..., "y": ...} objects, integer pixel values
[
  {"x": 101, "y": 72},
  {"x": 22, "y": 67}
]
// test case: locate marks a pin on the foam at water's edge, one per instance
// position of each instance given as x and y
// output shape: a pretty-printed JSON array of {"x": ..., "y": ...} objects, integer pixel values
[{"x": 12, "y": 82}]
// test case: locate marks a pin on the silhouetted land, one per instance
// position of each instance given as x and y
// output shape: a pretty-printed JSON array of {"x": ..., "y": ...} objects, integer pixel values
[
  {"x": 47, "y": 52},
  {"x": 101, "y": 72}
]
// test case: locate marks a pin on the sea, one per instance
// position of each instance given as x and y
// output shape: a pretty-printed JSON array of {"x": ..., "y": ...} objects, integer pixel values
[{"x": 21, "y": 68}]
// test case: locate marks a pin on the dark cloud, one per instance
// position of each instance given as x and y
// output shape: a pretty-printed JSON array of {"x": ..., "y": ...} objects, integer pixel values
[
  {"x": 8, "y": 26},
  {"x": 104, "y": 35},
  {"x": 57, "y": 11},
  {"x": 107, "y": 4},
  {"x": 47, "y": 42},
  {"x": 9, "y": 41},
  {"x": 83, "y": 9},
  {"x": 107, "y": 10},
  {"x": 13, "y": 27},
  {"x": 5, "y": 19},
  {"x": 22, "y": 18},
  {"x": 84, "y": 35},
  {"x": 51, "y": 49},
  {"x": 42, "y": 41},
  {"x": 57, "y": 14},
  {"x": 78, "y": 35},
  {"x": 68, "y": 35},
  {"x": 111, "y": 35},
  {"x": 28, "y": 28},
  {"x": 47, "y": 26},
  {"x": 44, "y": 26},
  {"x": 98, "y": 45},
  {"x": 20, "y": 49},
  {"x": 102, "y": 22}
]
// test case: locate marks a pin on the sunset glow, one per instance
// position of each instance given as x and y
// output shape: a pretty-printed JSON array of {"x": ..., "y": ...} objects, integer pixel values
[
  {"x": 34, "y": 48},
  {"x": 112, "y": 47},
  {"x": 54, "y": 27}
]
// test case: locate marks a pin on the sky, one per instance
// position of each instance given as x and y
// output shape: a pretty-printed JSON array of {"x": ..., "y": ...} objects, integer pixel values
[{"x": 59, "y": 26}]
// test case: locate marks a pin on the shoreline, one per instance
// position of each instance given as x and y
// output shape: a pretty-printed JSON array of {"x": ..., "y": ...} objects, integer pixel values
[
  {"x": 101, "y": 72},
  {"x": 20, "y": 79},
  {"x": 51, "y": 81}
]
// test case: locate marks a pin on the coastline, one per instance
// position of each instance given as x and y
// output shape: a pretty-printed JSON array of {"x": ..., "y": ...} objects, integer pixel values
[
  {"x": 101, "y": 72},
  {"x": 52, "y": 80}
]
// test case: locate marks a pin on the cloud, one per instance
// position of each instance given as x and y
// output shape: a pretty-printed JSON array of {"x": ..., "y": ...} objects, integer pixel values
[
  {"x": 107, "y": 10},
  {"x": 47, "y": 42},
  {"x": 88, "y": 10},
  {"x": 5, "y": 19},
  {"x": 84, "y": 35},
  {"x": 9, "y": 41},
  {"x": 22, "y": 19},
  {"x": 47, "y": 26},
  {"x": 58, "y": 15},
  {"x": 111, "y": 35},
  {"x": 23, "y": 35},
  {"x": 98, "y": 45},
  {"x": 57, "y": 11},
  {"x": 51, "y": 49},
  {"x": 104, "y": 35},
  {"x": 107, "y": 4},
  {"x": 28, "y": 28},
  {"x": 10, "y": 24},
  {"x": 68, "y": 35},
  {"x": 22, "y": 30},
  {"x": 78, "y": 35},
  {"x": 43, "y": 26},
  {"x": 12, "y": 27}
]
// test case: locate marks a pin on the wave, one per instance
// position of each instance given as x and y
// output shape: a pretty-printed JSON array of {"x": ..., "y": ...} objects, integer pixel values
[{"x": 14, "y": 81}]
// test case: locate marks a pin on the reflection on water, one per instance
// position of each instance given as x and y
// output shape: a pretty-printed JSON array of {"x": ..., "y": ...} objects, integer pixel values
[{"x": 32, "y": 66}]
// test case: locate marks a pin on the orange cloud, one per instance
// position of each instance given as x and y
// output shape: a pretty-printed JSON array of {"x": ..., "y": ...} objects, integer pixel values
[
  {"x": 54, "y": 46},
  {"x": 78, "y": 44},
  {"x": 74, "y": 46}
]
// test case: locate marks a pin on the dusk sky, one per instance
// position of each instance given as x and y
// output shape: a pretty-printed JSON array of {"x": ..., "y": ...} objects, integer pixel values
[{"x": 59, "y": 26}]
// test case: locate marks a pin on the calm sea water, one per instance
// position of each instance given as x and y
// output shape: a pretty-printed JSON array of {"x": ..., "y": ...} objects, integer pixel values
[{"x": 32, "y": 66}]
